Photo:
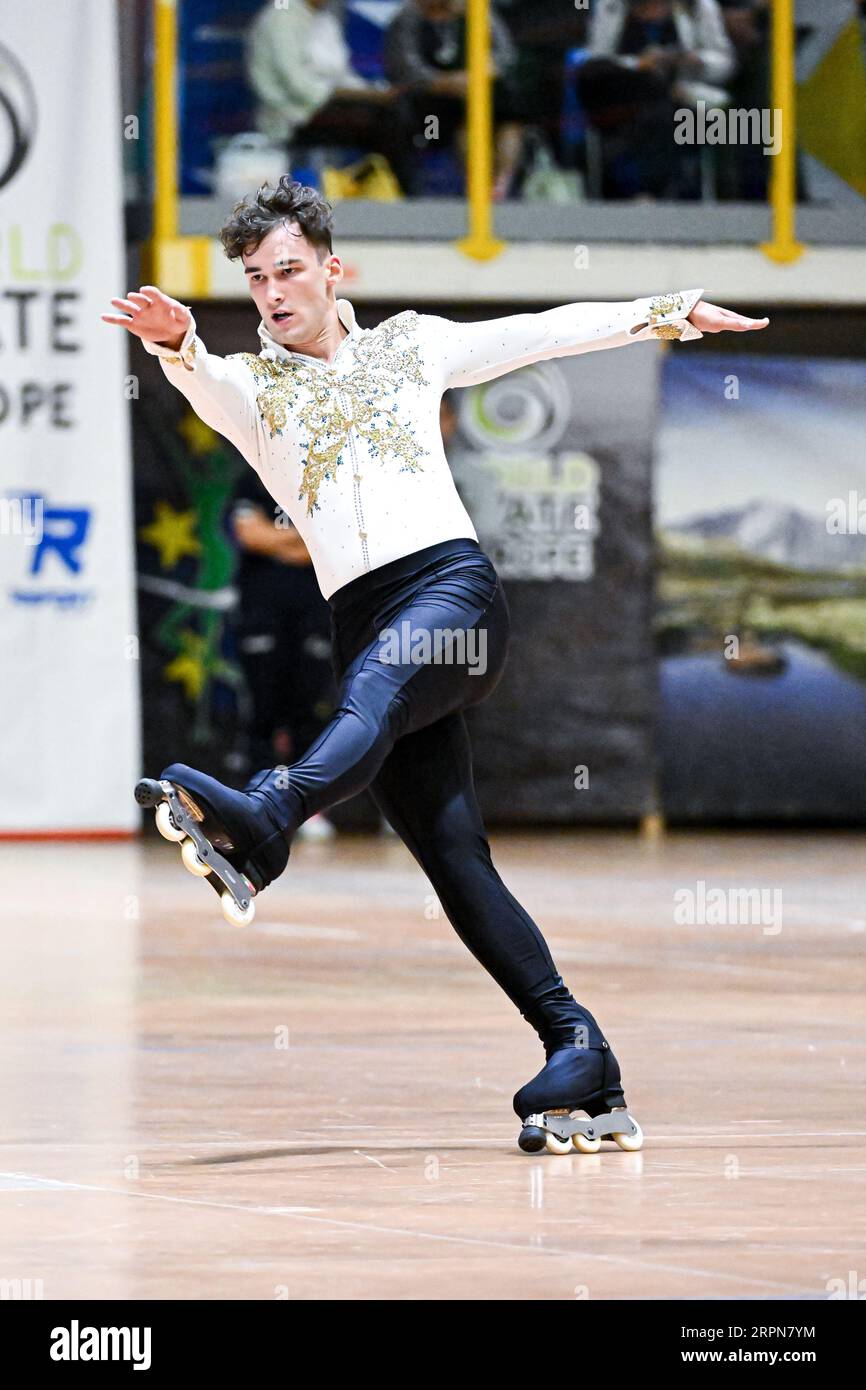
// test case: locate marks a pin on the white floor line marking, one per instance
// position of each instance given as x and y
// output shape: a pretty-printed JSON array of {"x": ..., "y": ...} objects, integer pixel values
[
  {"x": 371, "y": 1159},
  {"x": 303, "y": 1214},
  {"x": 52, "y": 1184}
]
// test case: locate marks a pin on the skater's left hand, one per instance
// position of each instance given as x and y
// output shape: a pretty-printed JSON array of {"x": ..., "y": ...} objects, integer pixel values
[{"x": 709, "y": 318}]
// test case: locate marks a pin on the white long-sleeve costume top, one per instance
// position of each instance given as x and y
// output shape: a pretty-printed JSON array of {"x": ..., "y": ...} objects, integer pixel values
[{"x": 351, "y": 449}]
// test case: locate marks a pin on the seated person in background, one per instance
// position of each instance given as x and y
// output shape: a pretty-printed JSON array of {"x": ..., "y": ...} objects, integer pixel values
[
  {"x": 649, "y": 58},
  {"x": 283, "y": 626},
  {"x": 300, "y": 70},
  {"x": 683, "y": 40},
  {"x": 543, "y": 31},
  {"x": 747, "y": 22},
  {"x": 425, "y": 52}
]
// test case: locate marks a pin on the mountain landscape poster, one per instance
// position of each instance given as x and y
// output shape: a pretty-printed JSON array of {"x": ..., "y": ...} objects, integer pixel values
[{"x": 760, "y": 526}]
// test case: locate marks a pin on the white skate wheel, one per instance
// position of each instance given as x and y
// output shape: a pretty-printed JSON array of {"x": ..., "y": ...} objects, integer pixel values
[
  {"x": 189, "y": 855},
  {"x": 557, "y": 1146},
  {"x": 584, "y": 1144},
  {"x": 630, "y": 1142},
  {"x": 237, "y": 917},
  {"x": 166, "y": 826}
]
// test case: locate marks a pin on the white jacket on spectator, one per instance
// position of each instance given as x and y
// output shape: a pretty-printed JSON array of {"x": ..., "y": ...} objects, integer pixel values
[
  {"x": 296, "y": 58},
  {"x": 700, "y": 28},
  {"x": 352, "y": 449}
]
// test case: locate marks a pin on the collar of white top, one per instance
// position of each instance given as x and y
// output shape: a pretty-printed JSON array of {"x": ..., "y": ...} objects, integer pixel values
[{"x": 271, "y": 348}]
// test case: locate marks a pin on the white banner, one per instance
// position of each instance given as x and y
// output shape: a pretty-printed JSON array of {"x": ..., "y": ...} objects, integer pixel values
[{"x": 69, "y": 726}]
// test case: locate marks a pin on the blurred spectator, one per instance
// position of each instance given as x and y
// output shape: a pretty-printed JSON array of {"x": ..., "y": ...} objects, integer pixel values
[
  {"x": 746, "y": 168},
  {"x": 283, "y": 635},
  {"x": 307, "y": 92},
  {"x": 425, "y": 52},
  {"x": 684, "y": 41},
  {"x": 543, "y": 31},
  {"x": 651, "y": 57},
  {"x": 745, "y": 21}
]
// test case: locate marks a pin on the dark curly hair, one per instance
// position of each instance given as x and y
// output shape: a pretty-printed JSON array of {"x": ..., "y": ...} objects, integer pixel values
[{"x": 252, "y": 218}]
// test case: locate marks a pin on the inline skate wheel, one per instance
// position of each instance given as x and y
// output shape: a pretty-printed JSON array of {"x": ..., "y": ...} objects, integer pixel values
[
  {"x": 630, "y": 1142},
  {"x": 557, "y": 1146},
  {"x": 165, "y": 824},
  {"x": 191, "y": 861},
  {"x": 234, "y": 915},
  {"x": 584, "y": 1144}
]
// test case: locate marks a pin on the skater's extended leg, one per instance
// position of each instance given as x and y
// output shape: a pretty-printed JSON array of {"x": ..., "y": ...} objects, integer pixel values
[
  {"x": 425, "y": 788},
  {"x": 443, "y": 648}
]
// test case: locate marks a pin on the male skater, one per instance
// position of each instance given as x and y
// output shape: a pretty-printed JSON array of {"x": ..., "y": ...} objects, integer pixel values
[{"x": 342, "y": 426}]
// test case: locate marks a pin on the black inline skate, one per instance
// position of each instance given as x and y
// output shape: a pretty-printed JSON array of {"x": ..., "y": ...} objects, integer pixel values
[
  {"x": 233, "y": 839},
  {"x": 576, "y": 1078}
]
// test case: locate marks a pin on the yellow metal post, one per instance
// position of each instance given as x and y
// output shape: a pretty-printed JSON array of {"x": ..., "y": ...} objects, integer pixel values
[
  {"x": 784, "y": 246},
  {"x": 179, "y": 265},
  {"x": 480, "y": 243},
  {"x": 165, "y": 219}
]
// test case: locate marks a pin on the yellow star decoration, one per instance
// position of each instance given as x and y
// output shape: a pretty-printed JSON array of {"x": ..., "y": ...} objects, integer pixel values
[
  {"x": 171, "y": 534},
  {"x": 200, "y": 438},
  {"x": 189, "y": 667}
]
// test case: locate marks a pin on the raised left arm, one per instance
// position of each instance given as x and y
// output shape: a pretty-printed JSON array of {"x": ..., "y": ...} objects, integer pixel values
[{"x": 471, "y": 353}]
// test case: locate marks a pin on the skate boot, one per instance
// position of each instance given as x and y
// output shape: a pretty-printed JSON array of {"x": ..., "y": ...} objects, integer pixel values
[
  {"x": 576, "y": 1078},
  {"x": 235, "y": 840}
]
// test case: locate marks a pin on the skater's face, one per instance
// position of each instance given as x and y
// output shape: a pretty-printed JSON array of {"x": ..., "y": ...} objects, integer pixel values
[{"x": 293, "y": 290}]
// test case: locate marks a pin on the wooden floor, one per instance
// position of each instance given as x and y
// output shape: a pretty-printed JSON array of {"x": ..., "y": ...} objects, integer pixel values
[{"x": 319, "y": 1105}]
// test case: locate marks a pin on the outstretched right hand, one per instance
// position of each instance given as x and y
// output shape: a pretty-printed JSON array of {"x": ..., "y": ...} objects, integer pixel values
[{"x": 152, "y": 315}]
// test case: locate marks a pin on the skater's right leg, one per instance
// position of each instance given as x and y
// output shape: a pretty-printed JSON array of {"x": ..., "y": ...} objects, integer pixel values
[{"x": 389, "y": 688}]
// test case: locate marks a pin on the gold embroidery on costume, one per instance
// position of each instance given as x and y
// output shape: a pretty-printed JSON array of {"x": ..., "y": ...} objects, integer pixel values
[
  {"x": 668, "y": 330},
  {"x": 175, "y": 361},
  {"x": 328, "y": 405},
  {"x": 663, "y": 305}
]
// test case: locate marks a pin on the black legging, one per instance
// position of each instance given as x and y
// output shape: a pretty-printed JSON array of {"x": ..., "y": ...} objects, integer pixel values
[{"x": 399, "y": 731}]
